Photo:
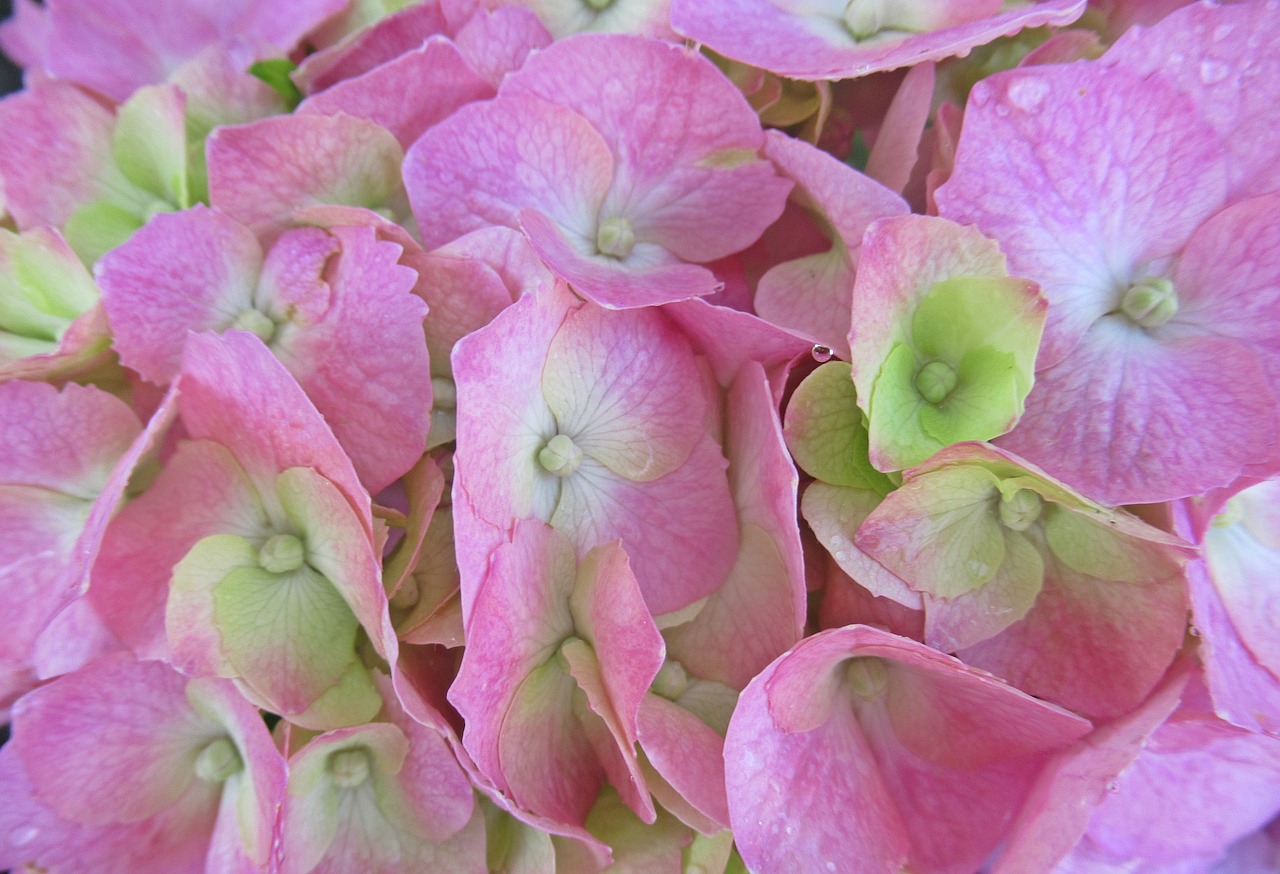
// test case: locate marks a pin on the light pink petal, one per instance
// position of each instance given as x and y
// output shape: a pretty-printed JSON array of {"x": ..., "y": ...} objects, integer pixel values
[
  {"x": 201, "y": 491},
  {"x": 55, "y": 146},
  {"x": 687, "y": 753},
  {"x": 762, "y": 33},
  {"x": 687, "y": 173},
  {"x": 25, "y": 36},
  {"x": 99, "y": 759},
  {"x": 611, "y": 282},
  {"x": 1219, "y": 63},
  {"x": 235, "y": 392},
  {"x": 262, "y": 172},
  {"x": 1081, "y": 190},
  {"x": 1077, "y": 780},
  {"x": 758, "y": 613},
  {"x": 186, "y": 271},
  {"x": 897, "y": 144},
  {"x": 625, "y": 388},
  {"x": 498, "y": 41},
  {"x": 362, "y": 359},
  {"x": 443, "y": 82},
  {"x": 1129, "y": 417},
  {"x": 370, "y": 47},
  {"x": 836, "y": 513},
  {"x": 173, "y": 842},
  {"x": 680, "y": 527}
]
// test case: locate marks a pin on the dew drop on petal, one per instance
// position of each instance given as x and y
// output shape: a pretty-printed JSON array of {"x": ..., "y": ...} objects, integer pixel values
[
  {"x": 20, "y": 837},
  {"x": 1213, "y": 72},
  {"x": 1223, "y": 31},
  {"x": 980, "y": 94},
  {"x": 822, "y": 354},
  {"x": 1002, "y": 110},
  {"x": 1028, "y": 93}
]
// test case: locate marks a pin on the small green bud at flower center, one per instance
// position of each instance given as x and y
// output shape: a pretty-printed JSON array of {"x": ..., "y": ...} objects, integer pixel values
[
  {"x": 281, "y": 553},
  {"x": 867, "y": 677},
  {"x": 256, "y": 322},
  {"x": 672, "y": 681},
  {"x": 349, "y": 768},
  {"x": 218, "y": 761},
  {"x": 1151, "y": 302},
  {"x": 599, "y": 5},
  {"x": 615, "y": 237},
  {"x": 444, "y": 394},
  {"x": 935, "y": 381},
  {"x": 560, "y": 456},
  {"x": 864, "y": 18},
  {"x": 1020, "y": 510}
]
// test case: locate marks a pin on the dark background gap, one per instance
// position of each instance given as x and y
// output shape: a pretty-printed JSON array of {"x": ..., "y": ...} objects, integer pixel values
[{"x": 10, "y": 76}]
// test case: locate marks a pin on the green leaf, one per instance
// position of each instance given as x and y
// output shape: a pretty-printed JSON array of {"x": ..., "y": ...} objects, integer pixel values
[
  {"x": 275, "y": 72},
  {"x": 825, "y": 434}
]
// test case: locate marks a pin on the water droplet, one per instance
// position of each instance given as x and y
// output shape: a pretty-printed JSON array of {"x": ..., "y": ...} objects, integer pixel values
[
  {"x": 842, "y": 557},
  {"x": 1213, "y": 72},
  {"x": 790, "y": 829},
  {"x": 1112, "y": 788},
  {"x": 1223, "y": 31},
  {"x": 20, "y": 837},
  {"x": 1028, "y": 93},
  {"x": 1002, "y": 110},
  {"x": 822, "y": 354},
  {"x": 981, "y": 94},
  {"x": 831, "y": 866}
]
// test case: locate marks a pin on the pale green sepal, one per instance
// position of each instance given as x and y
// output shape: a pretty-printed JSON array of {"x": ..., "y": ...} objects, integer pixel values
[
  {"x": 897, "y": 440},
  {"x": 708, "y": 854},
  {"x": 964, "y": 313},
  {"x": 1090, "y": 547},
  {"x": 952, "y": 625},
  {"x": 149, "y": 143},
  {"x": 96, "y": 228},
  {"x": 967, "y": 546},
  {"x": 290, "y": 636},
  {"x": 190, "y": 609},
  {"x": 825, "y": 434},
  {"x": 353, "y": 700},
  {"x": 43, "y": 288},
  {"x": 984, "y": 403}
]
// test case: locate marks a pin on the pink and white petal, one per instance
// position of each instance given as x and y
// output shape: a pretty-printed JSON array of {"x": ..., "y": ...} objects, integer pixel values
[
  {"x": 680, "y": 529},
  {"x": 835, "y": 513},
  {"x": 194, "y": 270},
  {"x": 1130, "y": 418},
  {"x": 625, "y": 388},
  {"x": 173, "y": 842},
  {"x": 271, "y": 23},
  {"x": 363, "y": 362},
  {"x": 658, "y": 143},
  {"x": 97, "y": 760},
  {"x": 202, "y": 491},
  {"x": 687, "y": 753},
  {"x": 758, "y": 613},
  {"x": 499, "y": 372},
  {"x": 443, "y": 82},
  {"x": 490, "y": 160},
  {"x": 1096, "y": 646},
  {"x": 260, "y": 173},
  {"x": 55, "y": 147},
  {"x": 518, "y": 620},
  {"x": 1219, "y": 62},
  {"x": 1078, "y": 229},
  {"x": 646, "y": 278},
  {"x": 370, "y": 47},
  {"x": 1228, "y": 280},
  {"x": 1056, "y": 814},
  {"x": 496, "y": 42},
  {"x": 809, "y": 798},
  {"x": 234, "y": 391},
  {"x": 760, "y": 33},
  {"x": 811, "y": 296},
  {"x": 72, "y": 639}
]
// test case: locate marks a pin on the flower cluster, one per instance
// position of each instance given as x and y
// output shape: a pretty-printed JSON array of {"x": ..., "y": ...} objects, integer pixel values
[{"x": 646, "y": 435}]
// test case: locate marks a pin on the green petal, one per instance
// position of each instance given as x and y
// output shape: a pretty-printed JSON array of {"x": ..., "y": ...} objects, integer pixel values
[{"x": 825, "y": 433}]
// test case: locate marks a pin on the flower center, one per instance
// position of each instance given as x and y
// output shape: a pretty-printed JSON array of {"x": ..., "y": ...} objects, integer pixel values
[
  {"x": 935, "y": 381},
  {"x": 1020, "y": 510},
  {"x": 218, "y": 761},
  {"x": 349, "y": 768},
  {"x": 256, "y": 322},
  {"x": 866, "y": 677},
  {"x": 560, "y": 456},
  {"x": 672, "y": 681},
  {"x": 281, "y": 553},
  {"x": 864, "y": 18},
  {"x": 1151, "y": 302},
  {"x": 615, "y": 238}
]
